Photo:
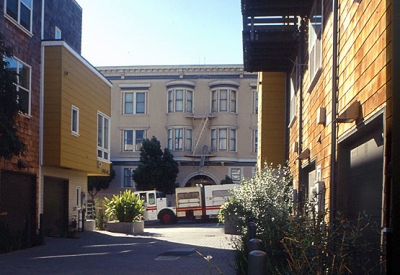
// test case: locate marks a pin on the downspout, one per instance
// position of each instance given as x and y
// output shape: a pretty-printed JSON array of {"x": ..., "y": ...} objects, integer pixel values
[
  {"x": 41, "y": 103},
  {"x": 332, "y": 184},
  {"x": 301, "y": 71}
]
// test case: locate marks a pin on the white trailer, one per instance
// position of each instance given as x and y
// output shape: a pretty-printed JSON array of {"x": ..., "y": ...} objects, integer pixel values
[
  {"x": 215, "y": 196},
  {"x": 188, "y": 203}
]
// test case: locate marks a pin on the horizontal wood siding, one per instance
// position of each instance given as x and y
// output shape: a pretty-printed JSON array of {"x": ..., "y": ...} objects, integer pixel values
[
  {"x": 364, "y": 74},
  {"x": 271, "y": 98},
  {"x": 81, "y": 88}
]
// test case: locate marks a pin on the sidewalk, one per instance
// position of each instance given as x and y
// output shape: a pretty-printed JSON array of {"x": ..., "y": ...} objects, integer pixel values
[{"x": 159, "y": 250}]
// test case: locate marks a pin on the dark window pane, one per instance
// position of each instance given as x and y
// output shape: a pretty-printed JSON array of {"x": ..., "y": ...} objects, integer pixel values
[
  {"x": 25, "y": 17},
  {"x": 23, "y": 98},
  {"x": 12, "y": 8}
]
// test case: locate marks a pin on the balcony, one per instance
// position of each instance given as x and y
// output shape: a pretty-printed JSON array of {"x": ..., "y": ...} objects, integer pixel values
[{"x": 271, "y": 33}]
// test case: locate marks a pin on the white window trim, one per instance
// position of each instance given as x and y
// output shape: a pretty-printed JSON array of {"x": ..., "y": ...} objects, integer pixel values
[
  {"x": 124, "y": 178},
  {"x": 57, "y": 33},
  {"x": 255, "y": 141},
  {"x": 255, "y": 101},
  {"x": 135, "y": 147},
  {"x": 78, "y": 197},
  {"x": 102, "y": 148},
  {"x": 17, "y": 22},
  {"x": 134, "y": 102},
  {"x": 75, "y": 133},
  {"x": 29, "y": 89},
  {"x": 315, "y": 46}
]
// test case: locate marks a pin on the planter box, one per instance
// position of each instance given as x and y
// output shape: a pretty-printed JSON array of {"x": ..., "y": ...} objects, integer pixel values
[
  {"x": 231, "y": 225},
  {"x": 90, "y": 225},
  {"x": 125, "y": 227}
]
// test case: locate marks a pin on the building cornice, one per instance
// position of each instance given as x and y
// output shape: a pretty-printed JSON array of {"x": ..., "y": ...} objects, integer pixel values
[{"x": 179, "y": 71}]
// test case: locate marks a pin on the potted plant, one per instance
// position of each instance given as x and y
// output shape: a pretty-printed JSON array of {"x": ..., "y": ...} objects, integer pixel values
[
  {"x": 126, "y": 210},
  {"x": 229, "y": 215}
]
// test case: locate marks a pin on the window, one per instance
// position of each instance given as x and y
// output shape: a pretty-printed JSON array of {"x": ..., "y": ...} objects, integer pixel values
[
  {"x": 233, "y": 102},
  {"x": 180, "y": 100},
  {"x": 293, "y": 90},
  {"x": 78, "y": 197},
  {"x": 103, "y": 136},
  {"x": 134, "y": 102},
  {"x": 180, "y": 139},
  {"x": 223, "y": 100},
  {"x": 223, "y": 139},
  {"x": 23, "y": 84},
  {"x": 315, "y": 41},
  {"x": 128, "y": 173},
  {"x": 188, "y": 142},
  {"x": 75, "y": 120},
  {"x": 20, "y": 11},
  {"x": 57, "y": 34},
  {"x": 236, "y": 174},
  {"x": 232, "y": 141},
  {"x": 152, "y": 199},
  {"x": 222, "y": 133},
  {"x": 255, "y": 102},
  {"x": 255, "y": 141},
  {"x": 133, "y": 140}
]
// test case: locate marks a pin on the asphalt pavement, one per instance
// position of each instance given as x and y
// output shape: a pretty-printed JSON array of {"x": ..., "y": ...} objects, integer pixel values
[{"x": 183, "y": 248}]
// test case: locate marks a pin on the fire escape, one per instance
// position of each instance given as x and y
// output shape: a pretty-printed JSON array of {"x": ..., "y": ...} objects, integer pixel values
[
  {"x": 271, "y": 33},
  {"x": 202, "y": 152}
]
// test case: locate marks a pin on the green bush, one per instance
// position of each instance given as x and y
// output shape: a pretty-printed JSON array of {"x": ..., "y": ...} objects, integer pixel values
[
  {"x": 301, "y": 241},
  {"x": 125, "y": 207}
]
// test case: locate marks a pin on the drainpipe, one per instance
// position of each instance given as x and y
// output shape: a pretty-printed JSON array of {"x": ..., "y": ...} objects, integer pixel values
[
  {"x": 334, "y": 110},
  {"x": 301, "y": 71}
]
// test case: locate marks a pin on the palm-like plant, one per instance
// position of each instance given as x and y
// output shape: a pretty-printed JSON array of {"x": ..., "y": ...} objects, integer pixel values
[{"x": 125, "y": 207}]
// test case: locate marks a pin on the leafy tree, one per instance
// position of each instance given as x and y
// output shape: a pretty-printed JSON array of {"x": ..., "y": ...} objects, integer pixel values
[
  {"x": 10, "y": 143},
  {"x": 157, "y": 168},
  {"x": 226, "y": 180},
  {"x": 97, "y": 183}
]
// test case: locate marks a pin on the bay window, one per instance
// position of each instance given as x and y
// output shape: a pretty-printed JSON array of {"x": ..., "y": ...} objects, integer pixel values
[
  {"x": 179, "y": 139},
  {"x": 223, "y": 139},
  {"x": 223, "y": 100},
  {"x": 180, "y": 100}
]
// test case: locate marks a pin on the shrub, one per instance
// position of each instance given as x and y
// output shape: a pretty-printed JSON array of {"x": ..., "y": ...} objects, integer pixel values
[
  {"x": 100, "y": 216},
  {"x": 301, "y": 242},
  {"x": 125, "y": 207}
]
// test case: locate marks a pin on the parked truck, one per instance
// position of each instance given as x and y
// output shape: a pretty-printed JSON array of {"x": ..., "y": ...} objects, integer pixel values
[{"x": 192, "y": 203}]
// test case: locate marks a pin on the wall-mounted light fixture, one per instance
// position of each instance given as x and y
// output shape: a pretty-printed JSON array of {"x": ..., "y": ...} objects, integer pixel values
[
  {"x": 22, "y": 164},
  {"x": 304, "y": 155},
  {"x": 351, "y": 114},
  {"x": 321, "y": 115}
]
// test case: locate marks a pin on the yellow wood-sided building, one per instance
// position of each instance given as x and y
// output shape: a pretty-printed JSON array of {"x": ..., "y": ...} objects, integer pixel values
[{"x": 76, "y": 133}]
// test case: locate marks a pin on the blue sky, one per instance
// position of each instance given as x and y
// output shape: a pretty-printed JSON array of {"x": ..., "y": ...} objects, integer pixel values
[{"x": 161, "y": 32}]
